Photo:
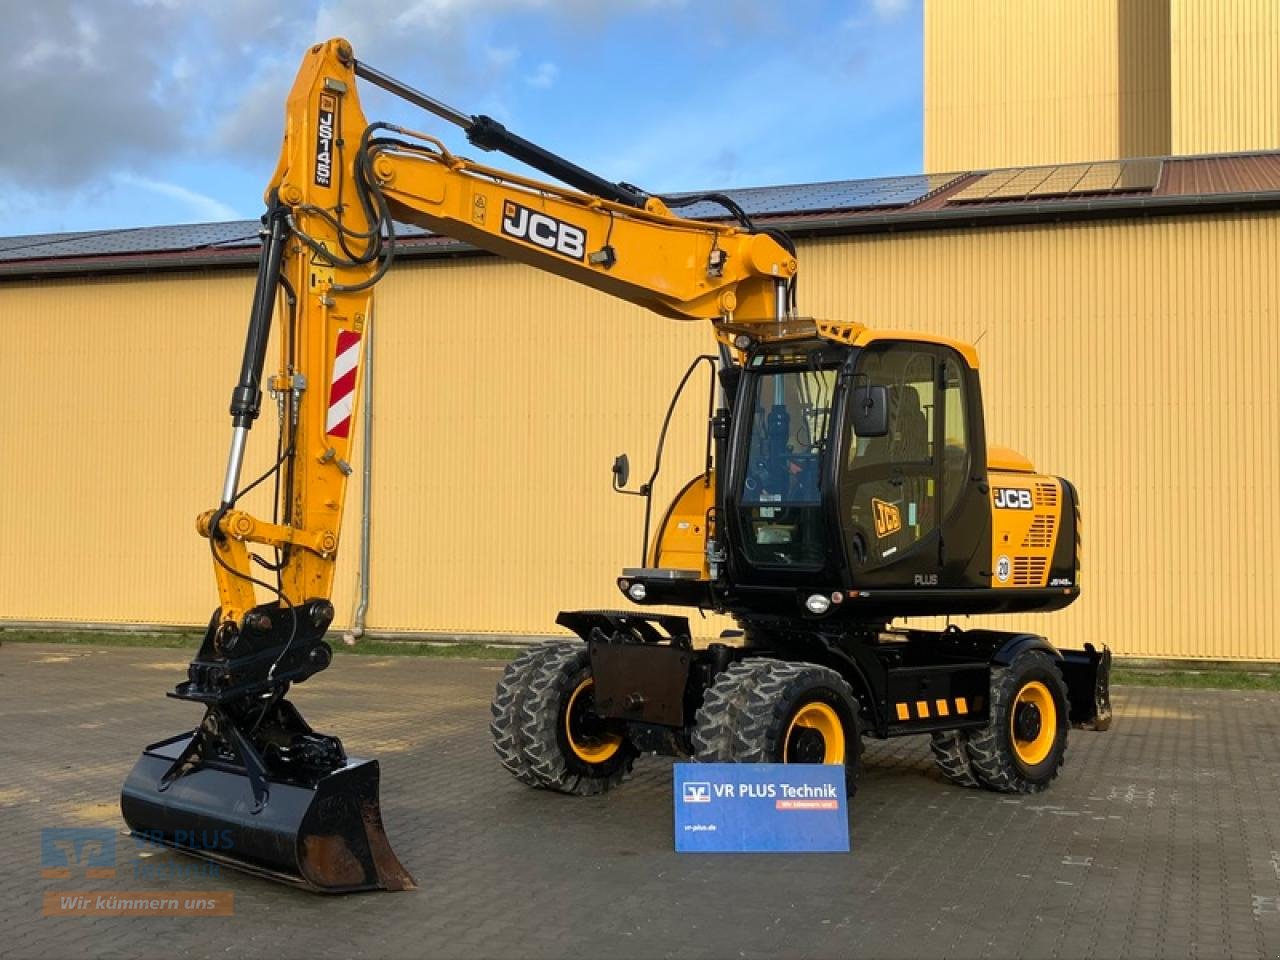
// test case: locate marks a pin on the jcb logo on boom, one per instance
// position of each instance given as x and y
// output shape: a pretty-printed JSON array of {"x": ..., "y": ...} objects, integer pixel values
[
  {"x": 544, "y": 231},
  {"x": 1008, "y": 499}
]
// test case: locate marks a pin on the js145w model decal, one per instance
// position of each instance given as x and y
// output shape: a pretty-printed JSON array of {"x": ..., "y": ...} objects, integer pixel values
[{"x": 324, "y": 139}]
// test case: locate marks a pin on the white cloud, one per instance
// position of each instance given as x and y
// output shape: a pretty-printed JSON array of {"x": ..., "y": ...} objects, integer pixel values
[
  {"x": 202, "y": 206},
  {"x": 543, "y": 76},
  {"x": 890, "y": 9},
  {"x": 114, "y": 93}
]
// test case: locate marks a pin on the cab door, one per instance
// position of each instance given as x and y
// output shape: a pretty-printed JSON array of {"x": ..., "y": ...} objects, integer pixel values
[{"x": 900, "y": 493}]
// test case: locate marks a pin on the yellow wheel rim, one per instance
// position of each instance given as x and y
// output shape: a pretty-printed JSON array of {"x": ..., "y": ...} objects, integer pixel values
[
  {"x": 822, "y": 720},
  {"x": 587, "y": 747},
  {"x": 1032, "y": 749}
]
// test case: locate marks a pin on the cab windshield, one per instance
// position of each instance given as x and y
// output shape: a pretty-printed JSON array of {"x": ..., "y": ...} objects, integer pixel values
[{"x": 781, "y": 490}]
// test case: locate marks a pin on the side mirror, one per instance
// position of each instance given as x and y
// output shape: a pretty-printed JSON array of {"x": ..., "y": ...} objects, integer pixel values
[
  {"x": 621, "y": 471},
  {"x": 870, "y": 411}
]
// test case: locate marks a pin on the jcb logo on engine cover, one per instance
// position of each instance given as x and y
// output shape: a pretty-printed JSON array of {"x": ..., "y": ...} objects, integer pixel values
[
  {"x": 1007, "y": 499},
  {"x": 888, "y": 517},
  {"x": 544, "y": 231},
  {"x": 324, "y": 139}
]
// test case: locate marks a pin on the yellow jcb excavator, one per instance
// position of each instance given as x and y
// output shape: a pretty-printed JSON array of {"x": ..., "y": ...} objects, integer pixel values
[{"x": 848, "y": 482}]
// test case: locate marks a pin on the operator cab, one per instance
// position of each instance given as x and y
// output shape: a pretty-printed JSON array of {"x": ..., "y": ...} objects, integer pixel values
[{"x": 826, "y": 492}]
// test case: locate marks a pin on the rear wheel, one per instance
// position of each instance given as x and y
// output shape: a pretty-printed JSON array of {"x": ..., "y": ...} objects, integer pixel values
[
  {"x": 570, "y": 748},
  {"x": 770, "y": 711},
  {"x": 1023, "y": 746}
]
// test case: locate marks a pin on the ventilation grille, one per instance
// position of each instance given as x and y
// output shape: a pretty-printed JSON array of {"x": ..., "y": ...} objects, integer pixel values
[
  {"x": 1041, "y": 533},
  {"x": 1046, "y": 495},
  {"x": 1029, "y": 571}
]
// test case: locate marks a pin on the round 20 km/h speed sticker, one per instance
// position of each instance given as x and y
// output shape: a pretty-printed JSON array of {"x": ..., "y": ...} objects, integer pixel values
[{"x": 1003, "y": 569}]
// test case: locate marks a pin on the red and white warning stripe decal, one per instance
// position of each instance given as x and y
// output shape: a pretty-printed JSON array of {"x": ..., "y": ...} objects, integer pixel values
[{"x": 342, "y": 393}]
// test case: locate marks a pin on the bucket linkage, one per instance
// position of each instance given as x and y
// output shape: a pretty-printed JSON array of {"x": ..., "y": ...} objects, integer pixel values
[{"x": 253, "y": 786}]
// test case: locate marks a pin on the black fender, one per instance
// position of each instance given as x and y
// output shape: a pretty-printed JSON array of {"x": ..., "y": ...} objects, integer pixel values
[
  {"x": 1019, "y": 643},
  {"x": 1087, "y": 673}
]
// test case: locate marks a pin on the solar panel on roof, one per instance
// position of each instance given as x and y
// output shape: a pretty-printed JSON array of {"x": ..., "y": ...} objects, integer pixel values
[
  {"x": 1061, "y": 180},
  {"x": 234, "y": 234},
  {"x": 1099, "y": 178},
  {"x": 981, "y": 188},
  {"x": 1068, "y": 180},
  {"x": 816, "y": 197},
  {"x": 1021, "y": 184},
  {"x": 140, "y": 240}
]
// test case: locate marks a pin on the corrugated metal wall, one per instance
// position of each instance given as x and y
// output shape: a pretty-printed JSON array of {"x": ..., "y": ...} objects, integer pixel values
[
  {"x": 502, "y": 397},
  {"x": 1013, "y": 83},
  {"x": 1226, "y": 75},
  {"x": 1010, "y": 82},
  {"x": 1136, "y": 358},
  {"x": 117, "y": 392}
]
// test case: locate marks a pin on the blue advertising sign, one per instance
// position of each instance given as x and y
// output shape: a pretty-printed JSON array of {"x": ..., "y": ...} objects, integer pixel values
[{"x": 760, "y": 808}]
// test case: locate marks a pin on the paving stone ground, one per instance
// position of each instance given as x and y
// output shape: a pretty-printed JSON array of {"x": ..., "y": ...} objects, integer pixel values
[{"x": 1161, "y": 838}]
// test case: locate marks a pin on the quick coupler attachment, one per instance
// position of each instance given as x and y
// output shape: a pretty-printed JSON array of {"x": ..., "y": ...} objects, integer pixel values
[{"x": 253, "y": 787}]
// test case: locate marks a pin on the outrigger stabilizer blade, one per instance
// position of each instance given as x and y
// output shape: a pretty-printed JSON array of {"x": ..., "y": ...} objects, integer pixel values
[{"x": 253, "y": 787}]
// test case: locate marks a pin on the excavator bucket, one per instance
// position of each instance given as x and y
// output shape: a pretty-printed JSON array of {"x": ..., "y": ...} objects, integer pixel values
[
  {"x": 253, "y": 787},
  {"x": 326, "y": 836}
]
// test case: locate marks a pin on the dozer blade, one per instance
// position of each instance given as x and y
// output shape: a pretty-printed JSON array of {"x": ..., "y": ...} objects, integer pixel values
[{"x": 322, "y": 833}]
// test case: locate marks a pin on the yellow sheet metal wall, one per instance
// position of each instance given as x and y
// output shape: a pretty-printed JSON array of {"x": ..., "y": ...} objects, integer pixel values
[
  {"x": 1013, "y": 83},
  {"x": 502, "y": 397},
  {"x": 117, "y": 392},
  {"x": 1226, "y": 75},
  {"x": 1135, "y": 358},
  {"x": 1138, "y": 359}
]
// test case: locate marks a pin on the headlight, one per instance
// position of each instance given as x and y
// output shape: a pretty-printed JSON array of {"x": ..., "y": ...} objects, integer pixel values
[
  {"x": 818, "y": 603},
  {"x": 637, "y": 591}
]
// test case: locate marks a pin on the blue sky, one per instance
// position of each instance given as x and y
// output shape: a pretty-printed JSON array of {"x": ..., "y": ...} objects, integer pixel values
[{"x": 124, "y": 113}]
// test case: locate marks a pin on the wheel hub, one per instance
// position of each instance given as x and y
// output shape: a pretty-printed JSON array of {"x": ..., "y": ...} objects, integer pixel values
[
  {"x": 1027, "y": 721},
  {"x": 808, "y": 747}
]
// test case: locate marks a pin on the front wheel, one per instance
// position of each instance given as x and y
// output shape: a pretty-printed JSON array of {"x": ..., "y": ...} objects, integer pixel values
[
  {"x": 770, "y": 711},
  {"x": 569, "y": 747},
  {"x": 1024, "y": 745}
]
